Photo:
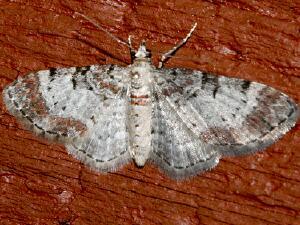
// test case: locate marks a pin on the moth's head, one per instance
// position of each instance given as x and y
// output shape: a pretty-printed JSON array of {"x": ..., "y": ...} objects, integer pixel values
[{"x": 142, "y": 52}]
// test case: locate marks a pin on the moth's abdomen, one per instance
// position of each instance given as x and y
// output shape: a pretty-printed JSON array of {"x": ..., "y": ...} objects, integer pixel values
[
  {"x": 139, "y": 100},
  {"x": 140, "y": 132}
]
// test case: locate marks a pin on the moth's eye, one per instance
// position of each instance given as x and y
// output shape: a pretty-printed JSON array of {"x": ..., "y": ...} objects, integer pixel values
[{"x": 132, "y": 54}]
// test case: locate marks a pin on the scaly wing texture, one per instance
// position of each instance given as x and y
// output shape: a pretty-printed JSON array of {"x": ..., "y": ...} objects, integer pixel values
[
  {"x": 83, "y": 107},
  {"x": 200, "y": 117},
  {"x": 175, "y": 148}
]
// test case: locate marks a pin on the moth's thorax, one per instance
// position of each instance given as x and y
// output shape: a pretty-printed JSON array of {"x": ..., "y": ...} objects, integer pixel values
[
  {"x": 141, "y": 83},
  {"x": 140, "y": 110}
]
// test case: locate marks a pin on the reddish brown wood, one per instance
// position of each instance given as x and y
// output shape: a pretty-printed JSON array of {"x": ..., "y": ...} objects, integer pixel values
[{"x": 256, "y": 40}]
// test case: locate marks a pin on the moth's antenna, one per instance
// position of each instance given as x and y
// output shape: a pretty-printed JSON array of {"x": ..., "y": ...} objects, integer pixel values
[
  {"x": 101, "y": 28},
  {"x": 168, "y": 54},
  {"x": 132, "y": 52}
]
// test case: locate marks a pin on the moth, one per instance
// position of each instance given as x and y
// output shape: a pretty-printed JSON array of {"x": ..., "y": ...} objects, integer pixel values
[{"x": 182, "y": 120}]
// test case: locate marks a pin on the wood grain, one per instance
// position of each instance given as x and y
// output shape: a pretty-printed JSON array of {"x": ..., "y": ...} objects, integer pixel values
[{"x": 255, "y": 40}]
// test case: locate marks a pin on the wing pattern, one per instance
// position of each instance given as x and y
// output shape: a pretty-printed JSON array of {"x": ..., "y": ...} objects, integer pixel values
[
  {"x": 196, "y": 117},
  {"x": 215, "y": 115},
  {"x": 83, "y": 107}
]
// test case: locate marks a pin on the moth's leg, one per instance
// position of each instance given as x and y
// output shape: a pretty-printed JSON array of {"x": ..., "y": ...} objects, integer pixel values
[{"x": 168, "y": 54}]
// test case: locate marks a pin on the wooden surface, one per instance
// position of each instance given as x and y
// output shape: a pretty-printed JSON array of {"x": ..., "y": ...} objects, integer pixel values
[{"x": 256, "y": 40}]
